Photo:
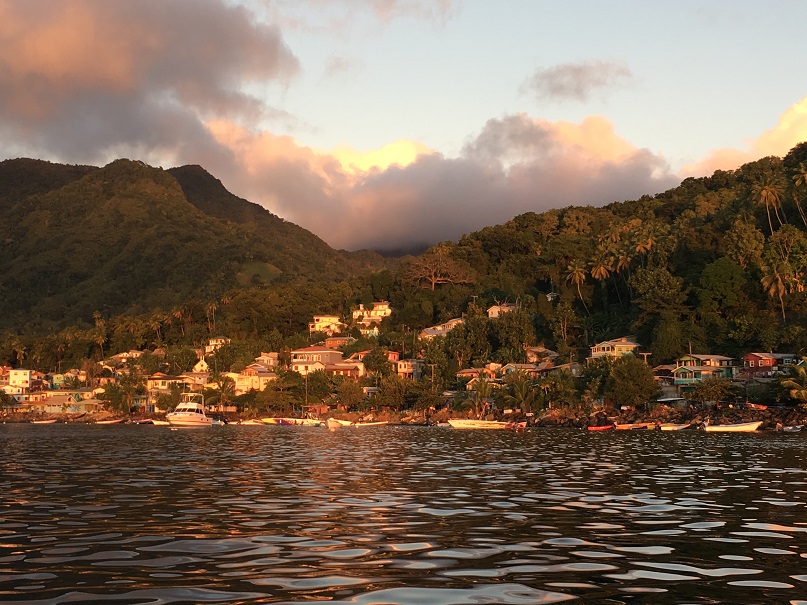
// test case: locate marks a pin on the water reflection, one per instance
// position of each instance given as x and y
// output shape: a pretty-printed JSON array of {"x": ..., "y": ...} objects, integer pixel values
[{"x": 140, "y": 514}]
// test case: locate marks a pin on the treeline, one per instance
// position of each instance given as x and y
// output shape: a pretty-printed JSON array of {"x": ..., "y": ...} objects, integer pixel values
[{"x": 715, "y": 265}]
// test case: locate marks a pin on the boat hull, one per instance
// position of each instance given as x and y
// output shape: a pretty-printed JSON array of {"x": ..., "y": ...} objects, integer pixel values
[
  {"x": 604, "y": 427},
  {"x": 742, "y": 427},
  {"x": 494, "y": 425},
  {"x": 668, "y": 426},
  {"x": 293, "y": 421}
]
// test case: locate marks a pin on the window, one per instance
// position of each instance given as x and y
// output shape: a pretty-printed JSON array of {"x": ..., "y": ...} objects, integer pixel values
[{"x": 751, "y": 363}]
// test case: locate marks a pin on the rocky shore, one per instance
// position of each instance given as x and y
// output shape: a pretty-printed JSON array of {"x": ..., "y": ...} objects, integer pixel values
[{"x": 555, "y": 418}]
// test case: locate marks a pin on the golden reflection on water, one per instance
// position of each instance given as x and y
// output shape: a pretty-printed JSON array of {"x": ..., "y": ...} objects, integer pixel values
[{"x": 244, "y": 514}]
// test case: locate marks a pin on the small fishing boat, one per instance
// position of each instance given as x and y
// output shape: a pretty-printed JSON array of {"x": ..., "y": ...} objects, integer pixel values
[
  {"x": 251, "y": 422},
  {"x": 293, "y": 421},
  {"x": 462, "y": 423},
  {"x": 670, "y": 426},
  {"x": 602, "y": 427},
  {"x": 740, "y": 427},
  {"x": 190, "y": 413},
  {"x": 634, "y": 426},
  {"x": 110, "y": 421},
  {"x": 48, "y": 421},
  {"x": 788, "y": 428},
  {"x": 379, "y": 423},
  {"x": 156, "y": 422}
]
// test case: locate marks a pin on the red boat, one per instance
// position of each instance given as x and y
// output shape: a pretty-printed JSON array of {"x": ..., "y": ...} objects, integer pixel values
[{"x": 604, "y": 427}]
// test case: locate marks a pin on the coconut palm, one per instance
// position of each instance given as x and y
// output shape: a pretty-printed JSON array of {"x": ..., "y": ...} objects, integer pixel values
[
  {"x": 796, "y": 383},
  {"x": 576, "y": 275},
  {"x": 774, "y": 285},
  {"x": 800, "y": 182},
  {"x": 768, "y": 191}
]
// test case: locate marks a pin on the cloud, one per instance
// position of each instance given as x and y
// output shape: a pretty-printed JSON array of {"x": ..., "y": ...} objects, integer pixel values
[
  {"x": 789, "y": 131},
  {"x": 405, "y": 194},
  {"x": 91, "y": 80},
  {"x": 576, "y": 81},
  {"x": 85, "y": 78}
]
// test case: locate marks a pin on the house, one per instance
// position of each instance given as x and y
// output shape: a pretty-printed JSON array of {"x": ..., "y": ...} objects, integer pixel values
[
  {"x": 527, "y": 368},
  {"x": 255, "y": 377},
  {"x": 268, "y": 360},
  {"x": 316, "y": 353},
  {"x": 495, "y": 311},
  {"x": 306, "y": 366},
  {"x": 392, "y": 356},
  {"x": 348, "y": 369},
  {"x": 617, "y": 347},
  {"x": 765, "y": 365},
  {"x": 20, "y": 379},
  {"x": 334, "y": 342},
  {"x": 327, "y": 324},
  {"x": 720, "y": 365},
  {"x": 411, "y": 369},
  {"x": 539, "y": 354},
  {"x": 373, "y": 314},
  {"x": 216, "y": 343},
  {"x": 441, "y": 329}
]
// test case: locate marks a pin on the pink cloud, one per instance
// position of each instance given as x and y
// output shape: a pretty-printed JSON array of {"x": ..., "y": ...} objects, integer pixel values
[{"x": 790, "y": 130}]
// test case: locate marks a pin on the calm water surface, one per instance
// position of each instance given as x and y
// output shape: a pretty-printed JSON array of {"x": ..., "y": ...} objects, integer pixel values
[{"x": 402, "y": 515}]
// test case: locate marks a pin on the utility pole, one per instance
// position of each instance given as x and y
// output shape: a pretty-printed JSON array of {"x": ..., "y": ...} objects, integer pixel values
[{"x": 431, "y": 365}]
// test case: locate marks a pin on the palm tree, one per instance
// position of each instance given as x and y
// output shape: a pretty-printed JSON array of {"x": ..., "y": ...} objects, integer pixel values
[
  {"x": 800, "y": 182},
  {"x": 774, "y": 285},
  {"x": 482, "y": 390},
  {"x": 796, "y": 383},
  {"x": 768, "y": 191},
  {"x": 601, "y": 268},
  {"x": 522, "y": 391},
  {"x": 576, "y": 274}
]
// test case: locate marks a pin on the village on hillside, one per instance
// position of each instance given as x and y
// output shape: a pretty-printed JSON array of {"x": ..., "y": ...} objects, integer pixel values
[{"x": 75, "y": 391}]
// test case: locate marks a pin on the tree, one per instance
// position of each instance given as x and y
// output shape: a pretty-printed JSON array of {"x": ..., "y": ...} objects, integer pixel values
[
  {"x": 520, "y": 391},
  {"x": 796, "y": 382},
  {"x": 478, "y": 397},
  {"x": 774, "y": 285},
  {"x": 377, "y": 362},
  {"x": 713, "y": 389},
  {"x": 630, "y": 382},
  {"x": 800, "y": 182},
  {"x": 576, "y": 275},
  {"x": 768, "y": 192},
  {"x": 431, "y": 270},
  {"x": 350, "y": 394}
]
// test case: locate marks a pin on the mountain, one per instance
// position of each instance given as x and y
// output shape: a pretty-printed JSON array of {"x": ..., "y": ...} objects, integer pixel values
[{"x": 127, "y": 238}]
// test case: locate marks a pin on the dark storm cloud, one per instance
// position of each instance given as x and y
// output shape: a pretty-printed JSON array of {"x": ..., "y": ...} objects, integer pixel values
[{"x": 86, "y": 78}]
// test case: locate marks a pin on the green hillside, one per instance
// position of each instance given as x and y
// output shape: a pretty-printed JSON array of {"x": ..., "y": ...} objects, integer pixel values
[{"x": 127, "y": 238}]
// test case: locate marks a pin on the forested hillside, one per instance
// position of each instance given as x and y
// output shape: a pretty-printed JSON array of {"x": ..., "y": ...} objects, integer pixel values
[
  {"x": 717, "y": 264},
  {"x": 128, "y": 238}
]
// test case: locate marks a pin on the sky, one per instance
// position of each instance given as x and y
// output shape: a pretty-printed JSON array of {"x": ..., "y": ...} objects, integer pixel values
[{"x": 396, "y": 124}]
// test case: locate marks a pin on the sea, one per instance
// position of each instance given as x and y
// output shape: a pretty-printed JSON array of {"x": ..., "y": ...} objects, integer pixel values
[{"x": 400, "y": 515}]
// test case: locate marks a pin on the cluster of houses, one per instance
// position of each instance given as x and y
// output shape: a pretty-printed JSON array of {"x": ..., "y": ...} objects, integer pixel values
[{"x": 49, "y": 393}]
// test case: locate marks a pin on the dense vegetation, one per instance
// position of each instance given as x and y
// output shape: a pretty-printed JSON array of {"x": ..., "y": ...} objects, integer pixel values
[
  {"x": 128, "y": 238},
  {"x": 715, "y": 265}
]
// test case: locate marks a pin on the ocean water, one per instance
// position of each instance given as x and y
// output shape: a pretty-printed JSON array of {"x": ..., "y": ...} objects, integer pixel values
[{"x": 399, "y": 515}]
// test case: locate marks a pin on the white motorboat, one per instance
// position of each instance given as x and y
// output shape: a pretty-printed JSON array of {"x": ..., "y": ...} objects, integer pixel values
[
  {"x": 190, "y": 412},
  {"x": 740, "y": 427}
]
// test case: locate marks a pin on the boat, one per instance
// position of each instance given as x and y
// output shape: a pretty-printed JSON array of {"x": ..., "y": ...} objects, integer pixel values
[
  {"x": 190, "y": 412},
  {"x": 293, "y": 421},
  {"x": 740, "y": 427},
  {"x": 110, "y": 421},
  {"x": 333, "y": 423},
  {"x": 379, "y": 423},
  {"x": 788, "y": 428},
  {"x": 251, "y": 422},
  {"x": 462, "y": 423},
  {"x": 634, "y": 426},
  {"x": 670, "y": 426},
  {"x": 48, "y": 421},
  {"x": 156, "y": 422},
  {"x": 602, "y": 427}
]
